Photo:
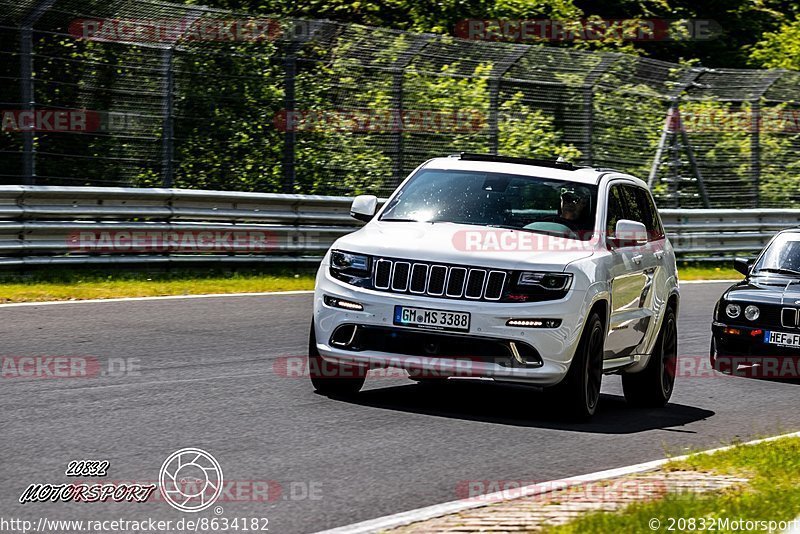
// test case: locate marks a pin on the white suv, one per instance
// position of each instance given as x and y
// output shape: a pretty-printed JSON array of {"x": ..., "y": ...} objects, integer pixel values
[{"x": 508, "y": 269}]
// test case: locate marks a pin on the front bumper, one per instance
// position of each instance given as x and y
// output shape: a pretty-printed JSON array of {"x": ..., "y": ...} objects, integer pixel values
[
  {"x": 466, "y": 354},
  {"x": 748, "y": 342},
  {"x": 746, "y": 354}
]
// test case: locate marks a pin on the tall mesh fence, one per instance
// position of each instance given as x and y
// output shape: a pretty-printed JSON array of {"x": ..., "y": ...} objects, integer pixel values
[{"x": 143, "y": 93}]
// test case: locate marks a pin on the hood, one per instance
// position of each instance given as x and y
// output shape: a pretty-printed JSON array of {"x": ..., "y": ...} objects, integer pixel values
[
  {"x": 466, "y": 245},
  {"x": 766, "y": 290}
]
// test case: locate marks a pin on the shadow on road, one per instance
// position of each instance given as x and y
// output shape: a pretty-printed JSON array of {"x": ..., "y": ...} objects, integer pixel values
[{"x": 524, "y": 407}]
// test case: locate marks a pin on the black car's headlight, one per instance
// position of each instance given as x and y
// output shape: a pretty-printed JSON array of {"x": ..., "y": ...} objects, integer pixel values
[
  {"x": 733, "y": 310},
  {"x": 752, "y": 313},
  {"x": 351, "y": 268}
]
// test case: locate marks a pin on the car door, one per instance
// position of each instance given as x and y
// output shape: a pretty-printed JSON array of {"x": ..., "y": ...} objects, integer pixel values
[
  {"x": 630, "y": 316},
  {"x": 655, "y": 259}
]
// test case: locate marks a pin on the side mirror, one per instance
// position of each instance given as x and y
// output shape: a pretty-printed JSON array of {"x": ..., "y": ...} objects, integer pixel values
[
  {"x": 629, "y": 233},
  {"x": 742, "y": 265},
  {"x": 364, "y": 207}
]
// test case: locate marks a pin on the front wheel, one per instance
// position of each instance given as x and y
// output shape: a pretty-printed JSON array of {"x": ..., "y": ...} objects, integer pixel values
[
  {"x": 330, "y": 378},
  {"x": 580, "y": 390},
  {"x": 653, "y": 386}
]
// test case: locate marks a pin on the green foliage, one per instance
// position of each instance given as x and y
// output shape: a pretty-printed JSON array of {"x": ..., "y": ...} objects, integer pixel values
[{"x": 779, "y": 49}]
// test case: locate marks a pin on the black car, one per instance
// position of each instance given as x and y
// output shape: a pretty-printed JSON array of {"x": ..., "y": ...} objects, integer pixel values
[{"x": 756, "y": 329}]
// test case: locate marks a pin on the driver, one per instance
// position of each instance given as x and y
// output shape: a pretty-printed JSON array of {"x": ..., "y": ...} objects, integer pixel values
[{"x": 574, "y": 212}]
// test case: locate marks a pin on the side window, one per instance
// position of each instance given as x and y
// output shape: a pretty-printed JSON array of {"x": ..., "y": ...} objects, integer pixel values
[
  {"x": 615, "y": 210},
  {"x": 651, "y": 219},
  {"x": 633, "y": 206}
]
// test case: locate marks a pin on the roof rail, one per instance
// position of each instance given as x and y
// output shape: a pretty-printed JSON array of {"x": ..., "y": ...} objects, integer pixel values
[{"x": 552, "y": 163}]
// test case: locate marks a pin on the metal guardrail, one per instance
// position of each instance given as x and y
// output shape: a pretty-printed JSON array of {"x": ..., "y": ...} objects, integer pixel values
[
  {"x": 718, "y": 234},
  {"x": 85, "y": 225}
]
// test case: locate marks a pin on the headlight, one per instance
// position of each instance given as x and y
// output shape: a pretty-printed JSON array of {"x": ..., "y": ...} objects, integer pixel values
[
  {"x": 345, "y": 261},
  {"x": 733, "y": 310},
  {"x": 752, "y": 313},
  {"x": 550, "y": 281}
]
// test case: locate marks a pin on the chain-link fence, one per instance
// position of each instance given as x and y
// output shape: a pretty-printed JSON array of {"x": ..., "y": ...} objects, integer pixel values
[{"x": 144, "y": 93}]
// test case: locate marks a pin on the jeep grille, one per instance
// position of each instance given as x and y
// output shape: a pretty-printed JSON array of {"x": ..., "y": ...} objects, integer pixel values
[{"x": 434, "y": 280}]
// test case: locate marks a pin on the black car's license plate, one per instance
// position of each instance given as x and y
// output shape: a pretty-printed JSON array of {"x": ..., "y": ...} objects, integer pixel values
[
  {"x": 433, "y": 319},
  {"x": 784, "y": 339}
]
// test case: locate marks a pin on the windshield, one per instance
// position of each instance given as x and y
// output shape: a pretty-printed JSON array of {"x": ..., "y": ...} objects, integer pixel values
[
  {"x": 782, "y": 256},
  {"x": 528, "y": 203}
]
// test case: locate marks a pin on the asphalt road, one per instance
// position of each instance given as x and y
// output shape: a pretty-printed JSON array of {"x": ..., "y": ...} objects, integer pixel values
[{"x": 204, "y": 375}]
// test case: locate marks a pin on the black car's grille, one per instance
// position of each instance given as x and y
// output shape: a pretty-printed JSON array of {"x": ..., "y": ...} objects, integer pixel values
[
  {"x": 436, "y": 280},
  {"x": 790, "y": 318}
]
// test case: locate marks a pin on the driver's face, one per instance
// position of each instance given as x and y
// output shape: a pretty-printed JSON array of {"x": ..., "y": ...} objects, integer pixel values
[{"x": 572, "y": 206}]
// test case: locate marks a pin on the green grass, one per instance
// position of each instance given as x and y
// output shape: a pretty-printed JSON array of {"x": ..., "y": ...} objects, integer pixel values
[
  {"x": 713, "y": 271},
  {"x": 76, "y": 285},
  {"x": 80, "y": 285},
  {"x": 772, "y": 494}
]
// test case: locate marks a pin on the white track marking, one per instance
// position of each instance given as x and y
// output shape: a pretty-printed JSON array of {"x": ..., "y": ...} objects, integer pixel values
[{"x": 167, "y": 297}]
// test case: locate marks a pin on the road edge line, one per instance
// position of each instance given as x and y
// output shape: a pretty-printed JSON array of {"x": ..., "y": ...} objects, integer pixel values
[
  {"x": 162, "y": 297},
  {"x": 438, "y": 510}
]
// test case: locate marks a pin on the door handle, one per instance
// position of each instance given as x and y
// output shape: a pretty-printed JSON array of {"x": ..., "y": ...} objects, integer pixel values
[
  {"x": 659, "y": 255},
  {"x": 637, "y": 259}
]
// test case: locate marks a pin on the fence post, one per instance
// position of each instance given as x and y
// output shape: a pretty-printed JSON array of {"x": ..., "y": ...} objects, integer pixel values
[
  {"x": 289, "y": 103},
  {"x": 398, "y": 73},
  {"x": 494, "y": 102},
  {"x": 167, "y": 128},
  {"x": 500, "y": 69},
  {"x": 755, "y": 137},
  {"x": 588, "y": 105},
  {"x": 27, "y": 98},
  {"x": 397, "y": 108},
  {"x": 755, "y": 150}
]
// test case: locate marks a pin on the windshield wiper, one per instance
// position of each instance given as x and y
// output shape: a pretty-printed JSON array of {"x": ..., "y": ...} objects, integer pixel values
[
  {"x": 779, "y": 271},
  {"x": 399, "y": 219}
]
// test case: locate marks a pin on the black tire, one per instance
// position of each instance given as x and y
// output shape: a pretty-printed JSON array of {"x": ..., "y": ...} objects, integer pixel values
[
  {"x": 579, "y": 392},
  {"x": 329, "y": 378},
  {"x": 653, "y": 386}
]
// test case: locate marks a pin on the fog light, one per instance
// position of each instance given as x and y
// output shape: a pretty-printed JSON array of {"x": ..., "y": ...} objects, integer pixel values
[
  {"x": 344, "y": 304},
  {"x": 534, "y": 323},
  {"x": 752, "y": 313},
  {"x": 733, "y": 310}
]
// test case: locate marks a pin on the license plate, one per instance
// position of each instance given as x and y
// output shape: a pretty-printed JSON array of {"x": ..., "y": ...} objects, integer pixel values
[
  {"x": 782, "y": 338},
  {"x": 433, "y": 319}
]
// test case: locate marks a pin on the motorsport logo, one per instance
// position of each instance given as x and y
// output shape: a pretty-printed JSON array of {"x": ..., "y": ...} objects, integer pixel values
[{"x": 190, "y": 480}]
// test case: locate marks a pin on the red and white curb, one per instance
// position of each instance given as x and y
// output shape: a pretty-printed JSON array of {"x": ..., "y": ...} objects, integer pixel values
[{"x": 452, "y": 507}]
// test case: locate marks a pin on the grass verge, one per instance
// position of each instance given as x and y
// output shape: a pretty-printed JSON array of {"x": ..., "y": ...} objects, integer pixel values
[
  {"x": 773, "y": 494},
  {"x": 77, "y": 285},
  {"x": 698, "y": 271}
]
